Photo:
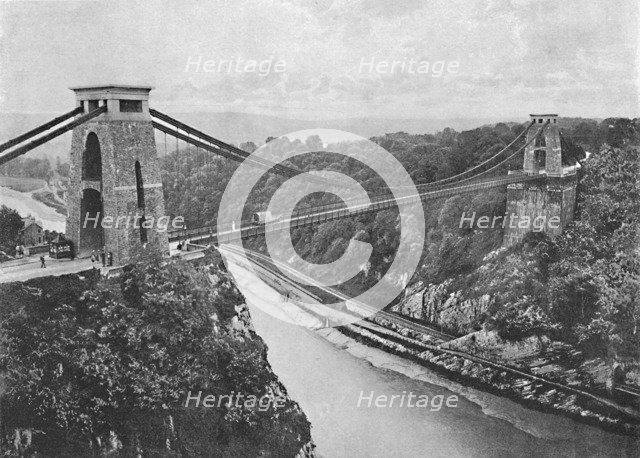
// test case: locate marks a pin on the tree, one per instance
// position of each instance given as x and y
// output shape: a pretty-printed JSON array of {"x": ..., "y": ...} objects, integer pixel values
[
  {"x": 523, "y": 319},
  {"x": 314, "y": 143},
  {"x": 10, "y": 226},
  {"x": 63, "y": 169},
  {"x": 594, "y": 279},
  {"x": 613, "y": 330},
  {"x": 249, "y": 147},
  {"x": 619, "y": 132},
  {"x": 587, "y": 135}
]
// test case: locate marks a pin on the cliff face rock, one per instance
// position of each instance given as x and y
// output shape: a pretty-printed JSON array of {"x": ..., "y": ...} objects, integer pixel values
[
  {"x": 412, "y": 304},
  {"x": 434, "y": 299},
  {"x": 435, "y": 304},
  {"x": 462, "y": 316},
  {"x": 184, "y": 331},
  {"x": 241, "y": 322},
  {"x": 489, "y": 345}
]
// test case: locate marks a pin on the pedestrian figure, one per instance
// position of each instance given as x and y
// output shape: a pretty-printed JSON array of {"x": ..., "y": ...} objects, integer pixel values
[
  {"x": 179, "y": 246},
  {"x": 93, "y": 256},
  {"x": 42, "y": 263},
  {"x": 103, "y": 257}
]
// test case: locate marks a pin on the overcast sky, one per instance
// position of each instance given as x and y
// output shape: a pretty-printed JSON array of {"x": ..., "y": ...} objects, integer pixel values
[{"x": 575, "y": 57}]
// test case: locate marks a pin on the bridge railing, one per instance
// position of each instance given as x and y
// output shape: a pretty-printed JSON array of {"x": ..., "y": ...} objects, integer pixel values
[{"x": 324, "y": 213}]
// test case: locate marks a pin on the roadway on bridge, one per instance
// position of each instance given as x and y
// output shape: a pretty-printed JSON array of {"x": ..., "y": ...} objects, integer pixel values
[
  {"x": 329, "y": 212},
  {"x": 55, "y": 267},
  {"x": 30, "y": 267}
]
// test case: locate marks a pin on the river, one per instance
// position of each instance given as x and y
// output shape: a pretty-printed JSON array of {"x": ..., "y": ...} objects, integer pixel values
[
  {"x": 25, "y": 204},
  {"x": 327, "y": 381}
]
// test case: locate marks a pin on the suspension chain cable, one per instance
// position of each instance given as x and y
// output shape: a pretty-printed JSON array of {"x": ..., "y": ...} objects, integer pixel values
[
  {"x": 177, "y": 154},
  {"x": 12, "y": 154},
  {"x": 43, "y": 128},
  {"x": 230, "y": 151},
  {"x": 492, "y": 158}
]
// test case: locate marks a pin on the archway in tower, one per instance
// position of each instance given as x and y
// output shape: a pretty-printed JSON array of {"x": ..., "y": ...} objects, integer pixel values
[
  {"x": 92, "y": 159},
  {"x": 91, "y": 231},
  {"x": 541, "y": 159}
]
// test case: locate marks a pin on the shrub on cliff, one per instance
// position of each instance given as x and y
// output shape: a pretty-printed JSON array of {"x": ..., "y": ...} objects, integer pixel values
[
  {"x": 522, "y": 319},
  {"x": 594, "y": 285},
  {"x": 91, "y": 366}
]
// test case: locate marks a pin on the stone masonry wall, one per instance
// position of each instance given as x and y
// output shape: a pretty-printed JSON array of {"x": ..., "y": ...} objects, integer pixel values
[
  {"x": 121, "y": 144},
  {"x": 555, "y": 198}
]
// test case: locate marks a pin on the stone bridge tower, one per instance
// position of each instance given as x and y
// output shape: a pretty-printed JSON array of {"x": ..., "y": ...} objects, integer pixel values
[
  {"x": 115, "y": 189},
  {"x": 546, "y": 205}
]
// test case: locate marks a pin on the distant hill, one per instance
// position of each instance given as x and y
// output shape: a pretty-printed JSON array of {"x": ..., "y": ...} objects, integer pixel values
[
  {"x": 239, "y": 127},
  {"x": 570, "y": 123},
  {"x": 242, "y": 127},
  {"x": 14, "y": 124}
]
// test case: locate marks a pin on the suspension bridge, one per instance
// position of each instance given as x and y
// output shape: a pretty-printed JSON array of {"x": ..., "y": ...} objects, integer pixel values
[{"x": 114, "y": 169}]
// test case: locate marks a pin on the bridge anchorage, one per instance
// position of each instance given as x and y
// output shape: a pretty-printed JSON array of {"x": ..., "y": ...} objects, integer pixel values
[{"x": 114, "y": 172}]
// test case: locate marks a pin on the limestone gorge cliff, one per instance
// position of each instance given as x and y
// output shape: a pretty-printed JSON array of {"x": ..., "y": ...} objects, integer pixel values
[
  {"x": 435, "y": 304},
  {"x": 95, "y": 366},
  {"x": 572, "y": 301},
  {"x": 472, "y": 308},
  {"x": 462, "y": 305}
]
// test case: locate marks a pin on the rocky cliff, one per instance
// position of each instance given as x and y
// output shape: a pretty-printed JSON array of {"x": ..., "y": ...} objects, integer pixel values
[
  {"x": 118, "y": 357},
  {"x": 435, "y": 304}
]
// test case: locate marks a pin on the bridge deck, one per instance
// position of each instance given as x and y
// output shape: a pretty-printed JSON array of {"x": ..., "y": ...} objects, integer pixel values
[{"x": 338, "y": 211}]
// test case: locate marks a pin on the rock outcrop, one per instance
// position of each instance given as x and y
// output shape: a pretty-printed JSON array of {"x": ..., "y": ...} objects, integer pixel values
[{"x": 449, "y": 310}]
